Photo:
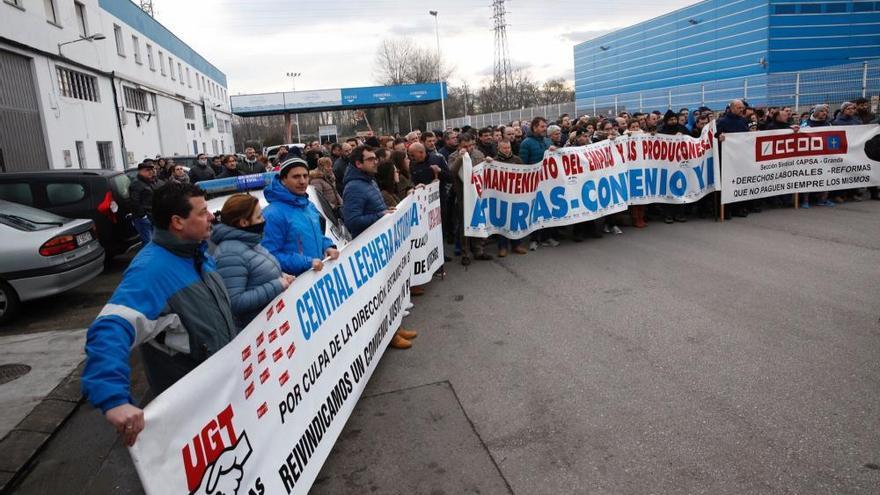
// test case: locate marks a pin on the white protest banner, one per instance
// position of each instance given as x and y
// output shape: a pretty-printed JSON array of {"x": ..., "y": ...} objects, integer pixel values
[
  {"x": 583, "y": 183},
  {"x": 262, "y": 414},
  {"x": 427, "y": 240},
  {"x": 761, "y": 164}
]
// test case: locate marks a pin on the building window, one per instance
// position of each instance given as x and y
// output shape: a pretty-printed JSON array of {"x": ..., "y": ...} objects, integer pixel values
[
  {"x": 51, "y": 11},
  {"x": 120, "y": 45},
  {"x": 833, "y": 8},
  {"x": 180, "y": 72},
  {"x": 162, "y": 62},
  {"x": 136, "y": 43},
  {"x": 81, "y": 19},
  {"x": 73, "y": 84},
  {"x": 105, "y": 155},
  {"x": 784, "y": 9},
  {"x": 136, "y": 99},
  {"x": 863, "y": 6},
  {"x": 188, "y": 79},
  {"x": 811, "y": 8},
  {"x": 171, "y": 68},
  {"x": 14, "y": 3},
  {"x": 81, "y": 154},
  {"x": 189, "y": 112},
  {"x": 150, "y": 60}
]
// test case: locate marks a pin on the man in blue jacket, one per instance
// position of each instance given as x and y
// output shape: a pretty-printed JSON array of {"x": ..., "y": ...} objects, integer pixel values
[
  {"x": 362, "y": 203},
  {"x": 293, "y": 232},
  {"x": 171, "y": 302},
  {"x": 536, "y": 142}
]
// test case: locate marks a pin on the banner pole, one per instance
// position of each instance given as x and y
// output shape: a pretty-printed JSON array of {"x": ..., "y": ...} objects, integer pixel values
[{"x": 796, "y": 201}]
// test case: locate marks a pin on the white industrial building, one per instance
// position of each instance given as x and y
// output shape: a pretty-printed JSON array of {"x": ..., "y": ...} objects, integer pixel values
[{"x": 102, "y": 103}]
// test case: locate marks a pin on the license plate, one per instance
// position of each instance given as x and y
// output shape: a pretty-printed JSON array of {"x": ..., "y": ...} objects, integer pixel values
[{"x": 83, "y": 238}]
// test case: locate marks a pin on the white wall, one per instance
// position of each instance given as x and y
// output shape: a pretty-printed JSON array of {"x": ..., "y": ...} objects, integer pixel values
[{"x": 67, "y": 120}]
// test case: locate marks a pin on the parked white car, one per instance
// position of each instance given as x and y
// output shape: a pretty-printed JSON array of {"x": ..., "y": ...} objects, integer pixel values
[{"x": 43, "y": 254}]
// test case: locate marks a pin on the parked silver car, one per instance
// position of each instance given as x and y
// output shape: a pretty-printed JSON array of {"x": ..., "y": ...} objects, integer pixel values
[{"x": 43, "y": 254}]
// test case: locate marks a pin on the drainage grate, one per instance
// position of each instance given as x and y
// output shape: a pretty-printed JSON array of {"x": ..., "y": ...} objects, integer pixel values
[{"x": 10, "y": 372}]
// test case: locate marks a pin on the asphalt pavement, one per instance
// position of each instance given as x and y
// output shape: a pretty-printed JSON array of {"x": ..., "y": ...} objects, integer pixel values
[{"x": 718, "y": 358}]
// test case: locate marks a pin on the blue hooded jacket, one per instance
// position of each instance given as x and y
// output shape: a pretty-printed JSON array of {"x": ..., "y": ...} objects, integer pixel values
[
  {"x": 250, "y": 272},
  {"x": 362, "y": 203},
  {"x": 293, "y": 229}
]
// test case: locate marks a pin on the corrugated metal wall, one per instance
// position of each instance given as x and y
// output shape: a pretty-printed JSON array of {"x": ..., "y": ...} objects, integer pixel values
[{"x": 21, "y": 132}]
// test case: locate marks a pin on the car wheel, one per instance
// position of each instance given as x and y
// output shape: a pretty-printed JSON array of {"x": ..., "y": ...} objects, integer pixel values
[{"x": 9, "y": 303}]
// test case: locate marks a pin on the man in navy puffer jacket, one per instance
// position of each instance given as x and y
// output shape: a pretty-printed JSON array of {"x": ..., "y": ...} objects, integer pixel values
[
  {"x": 293, "y": 225},
  {"x": 362, "y": 203}
]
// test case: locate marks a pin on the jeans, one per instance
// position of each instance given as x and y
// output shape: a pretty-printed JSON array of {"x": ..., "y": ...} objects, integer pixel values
[{"x": 144, "y": 228}]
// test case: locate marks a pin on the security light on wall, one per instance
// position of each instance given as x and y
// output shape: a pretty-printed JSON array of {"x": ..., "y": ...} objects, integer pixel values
[
  {"x": 604, "y": 48},
  {"x": 693, "y": 22},
  {"x": 762, "y": 62},
  {"x": 93, "y": 37}
]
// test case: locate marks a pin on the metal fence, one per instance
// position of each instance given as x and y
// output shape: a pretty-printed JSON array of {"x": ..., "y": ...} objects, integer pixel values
[{"x": 800, "y": 90}]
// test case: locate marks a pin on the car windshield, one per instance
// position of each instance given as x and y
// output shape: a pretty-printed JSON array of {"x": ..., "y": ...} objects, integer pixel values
[{"x": 26, "y": 218}]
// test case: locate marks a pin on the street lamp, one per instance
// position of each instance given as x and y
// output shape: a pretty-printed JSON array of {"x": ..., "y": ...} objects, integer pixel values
[
  {"x": 94, "y": 37},
  {"x": 293, "y": 76},
  {"x": 439, "y": 74}
]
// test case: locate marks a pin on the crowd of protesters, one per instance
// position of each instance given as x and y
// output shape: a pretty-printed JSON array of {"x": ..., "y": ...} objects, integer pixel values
[{"x": 179, "y": 304}]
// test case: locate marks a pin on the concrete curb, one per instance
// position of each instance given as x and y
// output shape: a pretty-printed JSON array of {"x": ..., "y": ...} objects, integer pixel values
[{"x": 22, "y": 444}]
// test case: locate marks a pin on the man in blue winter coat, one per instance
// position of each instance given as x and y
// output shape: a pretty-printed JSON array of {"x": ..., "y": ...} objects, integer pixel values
[
  {"x": 536, "y": 142},
  {"x": 171, "y": 303},
  {"x": 293, "y": 232},
  {"x": 362, "y": 202}
]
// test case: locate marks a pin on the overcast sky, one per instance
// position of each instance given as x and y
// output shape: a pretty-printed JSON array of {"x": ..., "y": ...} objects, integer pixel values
[{"x": 333, "y": 42}]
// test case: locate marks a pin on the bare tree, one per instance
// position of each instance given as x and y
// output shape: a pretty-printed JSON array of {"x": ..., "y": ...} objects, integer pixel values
[
  {"x": 555, "y": 91},
  {"x": 392, "y": 59},
  {"x": 401, "y": 61}
]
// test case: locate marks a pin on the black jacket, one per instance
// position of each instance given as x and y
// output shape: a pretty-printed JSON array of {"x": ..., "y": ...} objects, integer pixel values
[
  {"x": 141, "y": 195},
  {"x": 487, "y": 149},
  {"x": 422, "y": 173},
  {"x": 199, "y": 173},
  {"x": 774, "y": 125},
  {"x": 230, "y": 172},
  {"x": 340, "y": 166},
  {"x": 731, "y": 123}
]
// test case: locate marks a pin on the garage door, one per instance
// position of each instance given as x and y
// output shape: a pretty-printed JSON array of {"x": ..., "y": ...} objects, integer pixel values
[{"x": 21, "y": 134}]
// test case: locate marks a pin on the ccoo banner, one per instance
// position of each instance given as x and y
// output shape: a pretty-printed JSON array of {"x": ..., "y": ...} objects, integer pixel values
[
  {"x": 262, "y": 414},
  {"x": 583, "y": 183},
  {"x": 758, "y": 165}
]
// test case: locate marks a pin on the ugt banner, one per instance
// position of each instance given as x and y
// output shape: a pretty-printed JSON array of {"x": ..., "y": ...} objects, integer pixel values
[
  {"x": 583, "y": 183},
  {"x": 761, "y": 164},
  {"x": 261, "y": 415}
]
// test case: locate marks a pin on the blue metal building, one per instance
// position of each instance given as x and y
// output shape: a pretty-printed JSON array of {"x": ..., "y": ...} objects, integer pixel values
[{"x": 770, "y": 51}]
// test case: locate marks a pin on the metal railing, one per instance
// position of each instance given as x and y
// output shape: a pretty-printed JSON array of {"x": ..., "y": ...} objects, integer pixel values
[{"x": 800, "y": 90}]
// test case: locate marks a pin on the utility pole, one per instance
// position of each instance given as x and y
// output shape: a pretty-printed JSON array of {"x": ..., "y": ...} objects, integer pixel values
[
  {"x": 293, "y": 76},
  {"x": 439, "y": 72},
  {"x": 502, "y": 73}
]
